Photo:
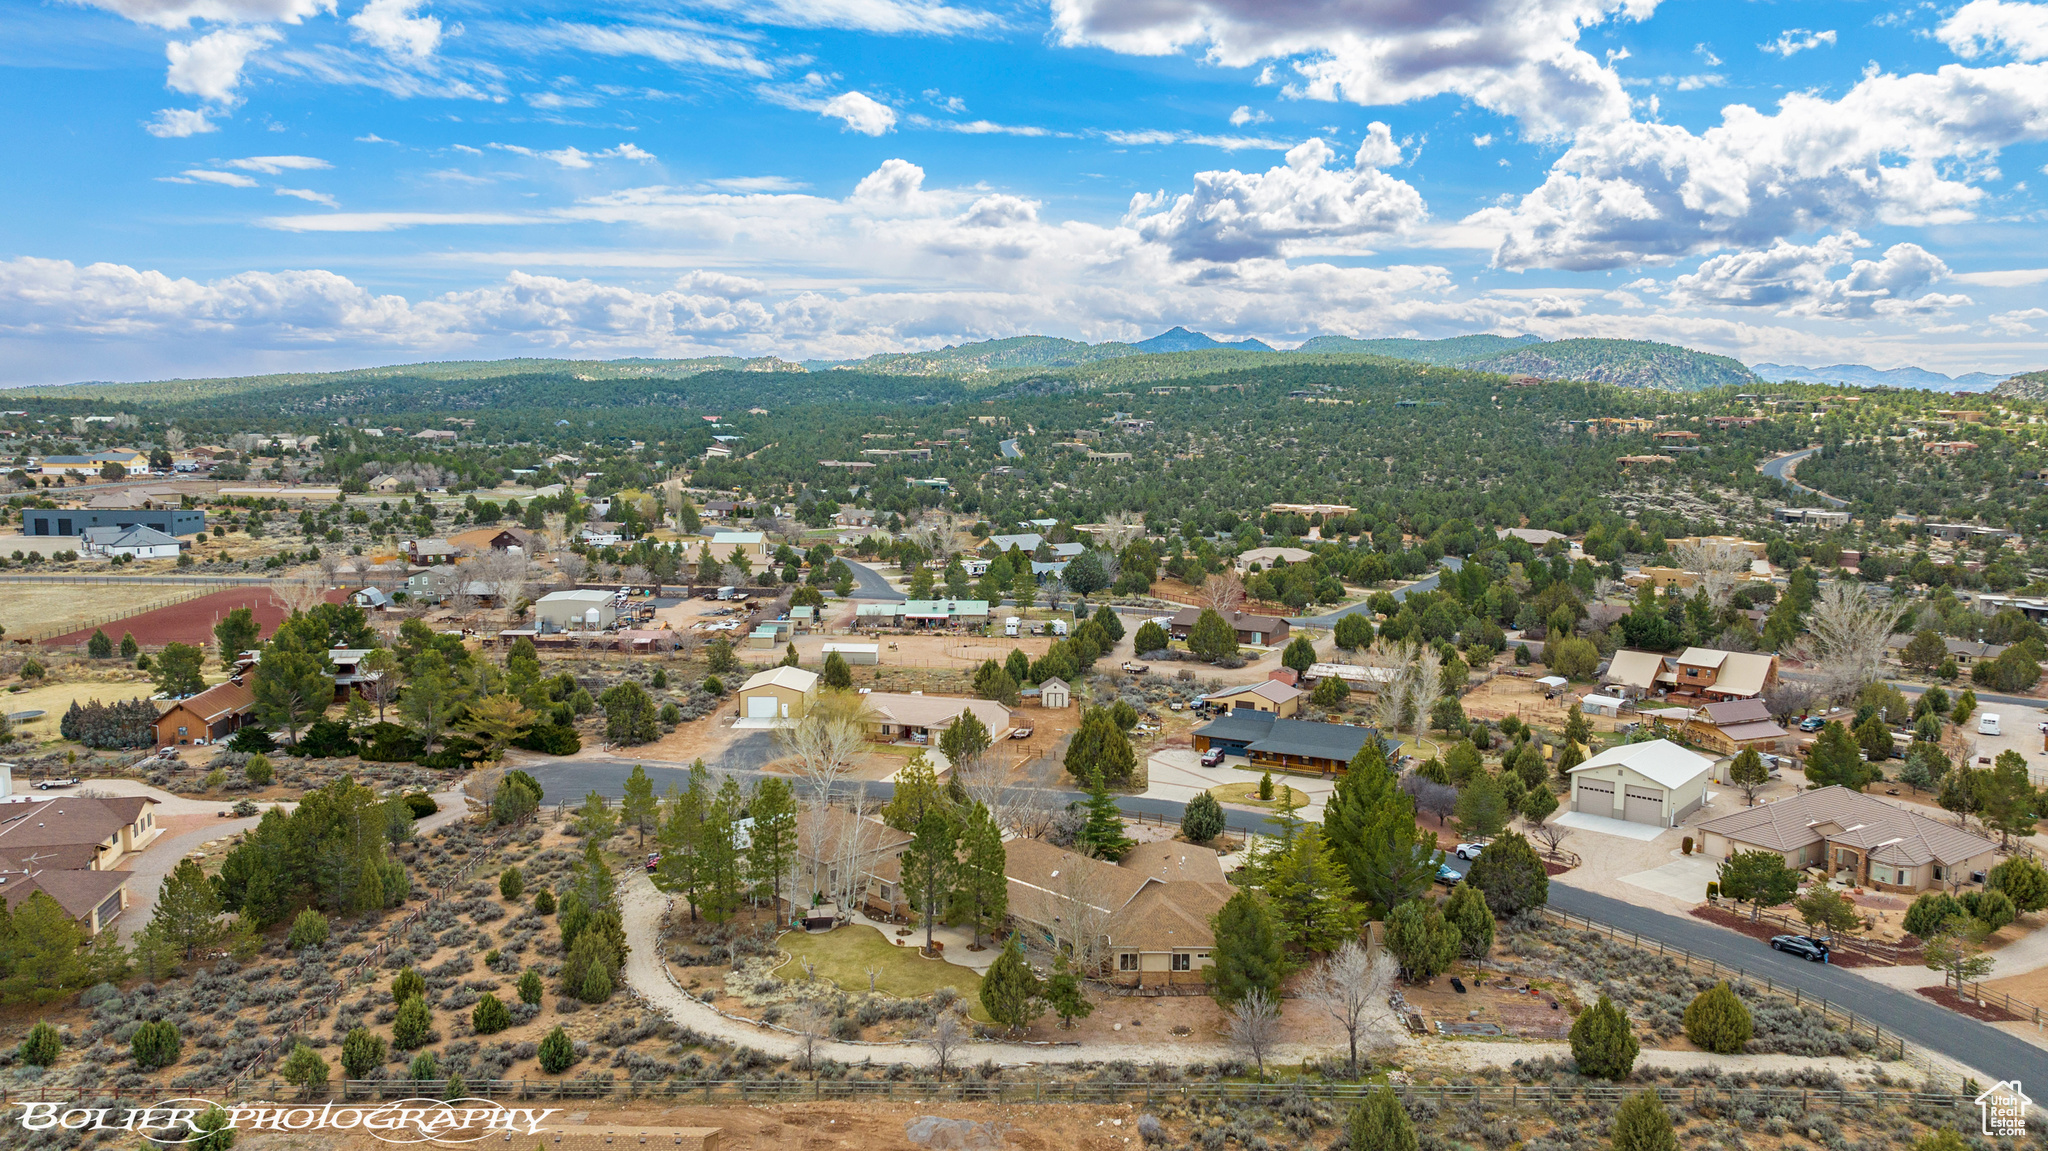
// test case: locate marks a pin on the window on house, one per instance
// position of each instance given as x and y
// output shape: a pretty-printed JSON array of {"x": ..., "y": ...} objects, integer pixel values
[
  {"x": 885, "y": 893},
  {"x": 1940, "y": 873},
  {"x": 1182, "y": 961},
  {"x": 1127, "y": 961}
]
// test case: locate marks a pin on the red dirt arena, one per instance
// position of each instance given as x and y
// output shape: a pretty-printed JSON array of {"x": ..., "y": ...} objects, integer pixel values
[{"x": 192, "y": 621}]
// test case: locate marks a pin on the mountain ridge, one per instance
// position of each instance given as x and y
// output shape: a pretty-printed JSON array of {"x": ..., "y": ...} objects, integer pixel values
[{"x": 1863, "y": 375}]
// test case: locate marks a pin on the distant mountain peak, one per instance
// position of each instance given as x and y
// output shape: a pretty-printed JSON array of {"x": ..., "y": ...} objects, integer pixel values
[
  {"x": 1863, "y": 375},
  {"x": 1179, "y": 339}
]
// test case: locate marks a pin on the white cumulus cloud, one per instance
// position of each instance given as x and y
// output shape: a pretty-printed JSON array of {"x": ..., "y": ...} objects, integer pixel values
[
  {"x": 890, "y": 16},
  {"x": 176, "y": 123},
  {"x": 181, "y": 13},
  {"x": 1902, "y": 150},
  {"x": 1234, "y": 215},
  {"x": 396, "y": 27},
  {"x": 1795, "y": 40},
  {"x": 1997, "y": 27},
  {"x": 1796, "y": 278},
  {"x": 1518, "y": 57},
  {"x": 861, "y": 112},
  {"x": 1244, "y": 115},
  {"x": 211, "y": 66}
]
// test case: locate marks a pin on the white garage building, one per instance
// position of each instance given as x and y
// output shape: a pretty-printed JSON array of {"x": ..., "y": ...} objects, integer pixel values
[{"x": 1658, "y": 783}]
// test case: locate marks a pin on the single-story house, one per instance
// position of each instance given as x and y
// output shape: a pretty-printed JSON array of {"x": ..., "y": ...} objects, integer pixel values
[
  {"x": 1150, "y": 913},
  {"x": 76, "y": 833},
  {"x": 93, "y": 464},
  {"x": 215, "y": 713},
  {"x": 1366, "y": 679},
  {"x": 923, "y": 613},
  {"x": 1055, "y": 692},
  {"x": 574, "y": 609},
  {"x": 725, "y": 545},
  {"x": 803, "y": 618},
  {"x": 916, "y": 716},
  {"x": 138, "y": 541},
  {"x": 1856, "y": 837},
  {"x": 1657, "y": 782},
  {"x": 1296, "y": 745},
  {"x": 92, "y": 898},
  {"x": 1265, "y": 630},
  {"x": 780, "y": 693},
  {"x": 1267, "y": 695},
  {"x": 1730, "y": 725}
]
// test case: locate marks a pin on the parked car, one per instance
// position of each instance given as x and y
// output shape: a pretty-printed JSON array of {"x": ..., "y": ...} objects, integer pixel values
[
  {"x": 1804, "y": 946},
  {"x": 1212, "y": 757},
  {"x": 1812, "y": 723},
  {"x": 1468, "y": 850},
  {"x": 1021, "y": 733},
  {"x": 1448, "y": 875},
  {"x": 47, "y": 784}
]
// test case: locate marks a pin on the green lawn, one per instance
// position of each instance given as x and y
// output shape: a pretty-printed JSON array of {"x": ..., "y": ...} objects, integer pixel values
[{"x": 844, "y": 955}]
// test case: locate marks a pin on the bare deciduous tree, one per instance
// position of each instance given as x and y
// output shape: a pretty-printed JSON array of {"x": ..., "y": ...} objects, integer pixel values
[
  {"x": 1391, "y": 667},
  {"x": 1084, "y": 919},
  {"x": 1848, "y": 629},
  {"x": 1034, "y": 811},
  {"x": 1223, "y": 591},
  {"x": 943, "y": 1039},
  {"x": 1550, "y": 835},
  {"x": 1429, "y": 684},
  {"x": 1254, "y": 1026},
  {"x": 812, "y": 1023},
  {"x": 825, "y": 742},
  {"x": 572, "y": 567},
  {"x": 1438, "y": 799},
  {"x": 855, "y": 850},
  {"x": 174, "y": 439},
  {"x": 502, "y": 573},
  {"x": 1350, "y": 987},
  {"x": 1120, "y": 530},
  {"x": 299, "y": 594},
  {"x": 1715, "y": 564}
]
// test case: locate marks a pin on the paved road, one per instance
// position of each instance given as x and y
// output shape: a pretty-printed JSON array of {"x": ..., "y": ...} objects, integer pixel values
[
  {"x": 869, "y": 584},
  {"x": 1776, "y": 466},
  {"x": 1428, "y": 583},
  {"x": 1011, "y": 451},
  {"x": 1920, "y": 1022}
]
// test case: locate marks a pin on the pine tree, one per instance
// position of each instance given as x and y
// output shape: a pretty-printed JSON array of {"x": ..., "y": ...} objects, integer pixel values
[
  {"x": 1310, "y": 893},
  {"x": 1103, "y": 835},
  {"x": 1370, "y": 822},
  {"x": 1717, "y": 1021},
  {"x": 1482, "y": 810},
  {"x": 413, "y": 1026},
  {"x": 155, "y": 1044},
  {"x": 917, "y": 794},
  {"x": 837, "y": 675},
  {"x": 927, "y": 868},
  {"x": 557, "y": 1053},
  {"x": 1249, "y": 949},
  {"x": 362, "y": 1051},
  {"x": 981, "y": 895},
  {"x": 1010, "y": 992},
  {"x": 1202, "y": 820},
  {"x": 640, "y": 811},
  {"x": 511, "y": 883},
  {"x": 1100, "y": 747},
  {"x": 1380, "y": 1123},
  {"x": 1064, "y": 994},
  {"x": 771, "y": 850},
  {"x": 42, "y": 1046},
  {"x": 719, "y": 865},
  {"x": 490, "y": 1015},
  {"x": 1835, "y": 758},
  {"x": 1603, "y": 1043},
  {"x": 304, "y": 1069},
  {"x": 529, "y": 987},
  {"x": 1466, "y": 910},
  {"x": 1642, "y": 1124},
  {"x": 187, "y": 909},
  {"x": 1422, "y": 940},
  {"x": 99, "y": 646},
  {"x": 1511, "y": 876}
]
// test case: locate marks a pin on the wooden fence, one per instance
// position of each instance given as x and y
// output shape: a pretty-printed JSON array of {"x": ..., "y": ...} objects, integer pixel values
[
  {"x": 1882, "y": 952},
  {"x": 1851, "y": 1020},
  {"x": 1973, "y": 990},
  {"x": 973, "y": 1089}
]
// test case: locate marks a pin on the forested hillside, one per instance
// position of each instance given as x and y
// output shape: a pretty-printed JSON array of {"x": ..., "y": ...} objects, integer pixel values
[{"x": 1630, "y": 363}]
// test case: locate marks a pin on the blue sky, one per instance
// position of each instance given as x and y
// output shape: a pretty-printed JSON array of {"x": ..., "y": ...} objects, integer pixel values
[{"x": 210, "y": 186}]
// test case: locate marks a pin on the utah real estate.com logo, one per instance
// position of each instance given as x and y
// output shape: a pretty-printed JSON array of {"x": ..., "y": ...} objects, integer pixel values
[{"x": 2004, "y": 1108}]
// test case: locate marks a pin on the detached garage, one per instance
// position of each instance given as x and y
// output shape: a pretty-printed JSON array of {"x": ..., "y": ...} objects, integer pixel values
[
  {"x": 1658, "y": 783},
  {"x": 776, "y": 695}
]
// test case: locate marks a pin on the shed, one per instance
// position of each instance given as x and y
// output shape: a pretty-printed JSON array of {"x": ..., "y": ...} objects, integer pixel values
[
  {"x": 1601, "y": 705},
  {"x": 1553, "y": 684},
  {"x": 857, "y": 654},
  {"x": 1055, "y": 692},
  {"x": 1658, "y": 783}
]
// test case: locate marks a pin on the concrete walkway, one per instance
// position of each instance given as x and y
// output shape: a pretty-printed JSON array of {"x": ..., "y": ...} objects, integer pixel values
[{"x": 1177, "y": 774}]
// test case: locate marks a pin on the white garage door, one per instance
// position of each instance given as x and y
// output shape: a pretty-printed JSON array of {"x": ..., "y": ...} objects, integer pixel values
[
  {"x": 1642, "y": 805},
  {"x": 1596, "y": 798},
  {"x": 761, "y": 707}
]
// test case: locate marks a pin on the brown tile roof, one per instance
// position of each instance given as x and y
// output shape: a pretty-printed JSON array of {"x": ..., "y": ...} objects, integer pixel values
[
  {"x": 1173, "y": 862},
  {"x": 76, "y": 891},
  {"x": 69, "y": 822},
  {"x": 1166, "y": 916},
  {"x": 1891, "y": 834},
  {"x": 1041, "y": 878},
  {"x": 1730, "y": 711}
]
